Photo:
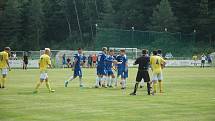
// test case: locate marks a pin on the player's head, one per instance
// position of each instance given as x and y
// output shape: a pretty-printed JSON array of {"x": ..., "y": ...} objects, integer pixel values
[
  {"x": 122, "y": 52},
  {"x": 7, "y": 49},
  {"x": 155, "y": 52},
  {"x": 80, "y": 50},
  {"x": 144, "y": 51},
  {"x": 159, "y": 51},
  {"x": 111, "y": 52},
  {"x": 104, "y": 49},
  {"x": 47, "y": 51}
]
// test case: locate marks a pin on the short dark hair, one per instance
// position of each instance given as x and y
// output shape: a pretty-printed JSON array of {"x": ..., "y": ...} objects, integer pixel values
[
  {"x": 159, "y": 51},
  {"x": 7, "y": 48},
  {"x": 79, "y": 48},
  {"x": 122, "y": 50},
  {"x": 155, "y": 52},
  {"x": 104, "y": 48},
  {"x": 111, "y": 50},
  {"x": 144, "y": 51}
]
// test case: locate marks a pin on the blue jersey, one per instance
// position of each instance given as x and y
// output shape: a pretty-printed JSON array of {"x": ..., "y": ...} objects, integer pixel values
[
  {"x": 101, "y": 59},
  {"x": 109, "y": 62},
  {"x": 122, "y": 59},
  {"x": 78, "y": 58},
  {"x": 84, "y": 58}
]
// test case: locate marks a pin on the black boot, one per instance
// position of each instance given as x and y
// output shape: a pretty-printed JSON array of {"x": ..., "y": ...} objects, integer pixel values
[{"x": 135, "y": 89}]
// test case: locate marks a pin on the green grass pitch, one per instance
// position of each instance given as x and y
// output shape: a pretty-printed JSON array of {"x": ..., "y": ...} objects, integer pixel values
[{"x": 189, "y": 96}]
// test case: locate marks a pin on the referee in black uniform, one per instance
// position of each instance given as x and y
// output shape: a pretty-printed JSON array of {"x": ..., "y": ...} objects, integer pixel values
[{"x": 142, "y": 73}]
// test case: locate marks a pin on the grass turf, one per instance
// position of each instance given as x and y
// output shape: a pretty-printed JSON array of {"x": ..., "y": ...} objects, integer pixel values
[{"x": 189, "y": 96}]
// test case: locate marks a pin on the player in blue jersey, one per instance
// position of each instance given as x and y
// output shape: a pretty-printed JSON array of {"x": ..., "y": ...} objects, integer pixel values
[
  {"x": 122, "y": 68},
  {"x": 109, "y": 62},
  {"x": 101, "y": 70},
  {"x": 78, "y": 61}
]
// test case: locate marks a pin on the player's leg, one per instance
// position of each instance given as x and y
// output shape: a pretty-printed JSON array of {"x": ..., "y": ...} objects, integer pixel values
[
  {"x": 154, "y": 83},
  {"x": 39, "y": 83},
  {"x": 71, "y": 78},
  {"x": 160, "y": 81},
  {"x": 4, "y": 77},
  {"x": 48, "y": 85},
  {"x": 104, "y": 78},
  {"x": 147, "y": 80},
  {"x": 119, "y": 73},
  {"x": 113, "y": 79},
  {"x": 138, "y": 80},
  {"x": 123, "y": 79},
  {"x": 80, "y": 78},
  {"x": 98, "y": 78}
]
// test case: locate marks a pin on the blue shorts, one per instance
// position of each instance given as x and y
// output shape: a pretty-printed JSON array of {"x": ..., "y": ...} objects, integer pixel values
[
  {"x": 77, "y": 72},
  {"x": 101, "y": 71},
  {"x": 109, "y": 72},
  {"x": 64, "y": 62},
  {"x": 122, "y": 73}
]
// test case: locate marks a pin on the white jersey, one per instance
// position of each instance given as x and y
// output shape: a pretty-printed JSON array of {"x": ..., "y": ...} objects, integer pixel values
[{"x": 203, "y": 58}]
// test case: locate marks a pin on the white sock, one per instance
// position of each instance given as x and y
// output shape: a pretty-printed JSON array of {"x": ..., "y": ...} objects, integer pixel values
[
  {"x": 80, "y": 81},
  {"x": 112, "y": 80},
  {"x": 98, "y": 80},
  {"x": 116, "y": 81},
  {"x": 123, "y": 83},
  {"x": 103, "y": 81},
  {"x": 70, "y": 78}
]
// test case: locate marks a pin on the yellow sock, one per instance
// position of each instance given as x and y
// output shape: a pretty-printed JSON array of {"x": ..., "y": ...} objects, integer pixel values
[
  {"x": 160, "y": 86},
  {"x": 3, "y": 81},
  {"x": 155, "y": 87},
  {"x": 37, "y": 86},
  {"x": 48, "y": 86}
]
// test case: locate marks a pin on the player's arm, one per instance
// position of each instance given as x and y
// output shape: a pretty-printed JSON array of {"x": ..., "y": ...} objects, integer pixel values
[
  {"x": 136, "y": 61},
  {"x": 7, "y": 60},
  {"x": 75, "y": 62},
  {"x": 163, "y": 63},
  {"x": 49, "y": 62},
  {"x": 126, "y": 65}
]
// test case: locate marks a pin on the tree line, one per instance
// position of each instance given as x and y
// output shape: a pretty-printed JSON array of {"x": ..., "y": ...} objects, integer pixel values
[{"x": 68, "y": 24}]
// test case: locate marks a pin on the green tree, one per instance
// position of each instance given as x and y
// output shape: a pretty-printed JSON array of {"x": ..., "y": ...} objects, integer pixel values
[
  {"x": 10, "y": 24},
  {"x": 34, "y": 28},
  {"x": 163, "y": 17},
  {"x": 108, "y": 14}
]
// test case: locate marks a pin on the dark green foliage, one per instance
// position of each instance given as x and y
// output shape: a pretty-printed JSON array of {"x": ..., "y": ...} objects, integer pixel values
[{"x": 35, "y": 24}]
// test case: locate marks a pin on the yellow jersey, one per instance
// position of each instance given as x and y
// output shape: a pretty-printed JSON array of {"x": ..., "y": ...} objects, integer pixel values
[
  {"x": 195, "y": 57},
  {"x": 156, "y": 62},
  {"x": 3, "y": 59},
  {"x": 44, "y": 62}
]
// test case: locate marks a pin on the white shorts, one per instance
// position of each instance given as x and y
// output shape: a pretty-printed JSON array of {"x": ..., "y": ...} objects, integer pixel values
[
  {"x": 157, "y": 76},
  {"x": 43, "y": 76},
  {"x": 4, "y": 71}
]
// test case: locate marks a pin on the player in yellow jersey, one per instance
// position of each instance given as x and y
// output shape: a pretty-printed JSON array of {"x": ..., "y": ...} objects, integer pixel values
[
  {"x": 4, "y": 65},
  {"x": 44, "y": 63},
  {"x": 157, "y": 63},
  {"x": 159, "y": 53},
  {"x": 195, "y": 59}
]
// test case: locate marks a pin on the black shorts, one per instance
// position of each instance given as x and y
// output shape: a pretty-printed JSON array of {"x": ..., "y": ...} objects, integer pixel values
[
  {"x": 26, "y": 62},
  {"x": 203, "y": 61},
  {"x": 142, "y": 75}
]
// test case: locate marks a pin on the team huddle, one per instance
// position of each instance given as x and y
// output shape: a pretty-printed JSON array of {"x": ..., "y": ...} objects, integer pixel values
[{"x": 107, "y": 63}]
